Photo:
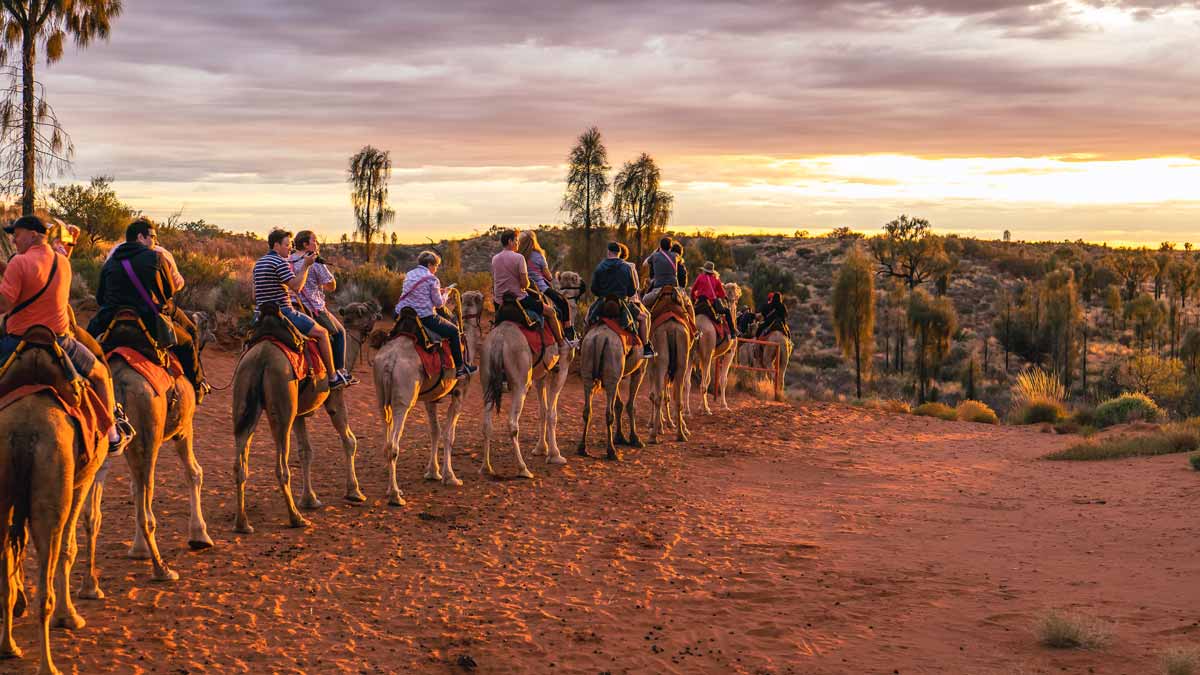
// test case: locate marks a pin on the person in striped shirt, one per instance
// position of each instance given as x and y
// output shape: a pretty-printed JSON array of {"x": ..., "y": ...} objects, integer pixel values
[{"x": 274, "y": 281}]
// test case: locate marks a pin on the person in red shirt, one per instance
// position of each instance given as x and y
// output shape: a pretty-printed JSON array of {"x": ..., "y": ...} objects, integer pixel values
[
  {"x": 709, "y": 287},
  {"x": 35, "y": 290}
]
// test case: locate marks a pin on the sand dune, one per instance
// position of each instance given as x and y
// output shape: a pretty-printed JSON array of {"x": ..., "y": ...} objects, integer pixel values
[{"x": 783, "y": 539}]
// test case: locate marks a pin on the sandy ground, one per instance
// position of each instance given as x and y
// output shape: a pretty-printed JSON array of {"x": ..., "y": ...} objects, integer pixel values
[{"x": 782, "y": 539}]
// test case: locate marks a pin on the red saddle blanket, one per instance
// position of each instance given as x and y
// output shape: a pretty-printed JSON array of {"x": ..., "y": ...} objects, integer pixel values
[
  {"x": 674, "y": 313},
  {"x": 722, "y": 331},
  {"x": 306, "y": 365},
  {"x": 435, "y": 360},
  {"x": 92, "y": 420},
  {"x": 538, "y": 338},
  {"x": 160, "y": 378},
  {"x": 628, "y": 340}
]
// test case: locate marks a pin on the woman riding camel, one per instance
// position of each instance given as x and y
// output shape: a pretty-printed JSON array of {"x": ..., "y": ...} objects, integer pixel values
[
  {"x": 540, "y": 275},
  {"x": 312, "y": 297},
  {"x": 709, "y": 287},
  {"x": 774, "y": 315},
  {"x": 423, "y": 293}
]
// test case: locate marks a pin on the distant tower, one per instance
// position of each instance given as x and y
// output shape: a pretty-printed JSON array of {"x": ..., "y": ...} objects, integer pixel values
[{"x": 1007, "y": 235}]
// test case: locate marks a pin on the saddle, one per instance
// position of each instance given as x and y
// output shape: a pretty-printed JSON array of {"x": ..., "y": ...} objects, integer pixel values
[
  {"x": 774, "y": 325},
  {"x": 513, "y": 311},
  {"x": 668, "y": 306},
  {"x": 302, "y": 352},
  {"x": 616, "y": 313},
  {"x": 705, "y": 307},
  {"x": 537, "y": 332},
  {"x": 433, "y": 350},
  {"x": 127, "y": 331}
]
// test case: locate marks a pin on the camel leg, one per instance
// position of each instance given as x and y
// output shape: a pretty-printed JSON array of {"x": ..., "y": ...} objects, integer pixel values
[
  {"x": 452, "y": 415},
  {"x": 241, "y": 473},
  {"x": 91, "y": 532},
  {"x": 198, "y": 538},
  {"x": 281, "y": 431},
  {"x": 656, "y": 412},
  {"x": 400, "y": 409},
  {"x": 680, "y": 425},
  {"x": 706, "y": 373},
  {"x": 612, "y": 418},
  {"x": 553, "y": 390},
  {"x": 65, "y": 615},
  {"x": 489, "y": 410},
  {"x": 541, "y": 447},
  {"x": 514, "y": 427},
  {"x": 635, "y": 385},
  {"x": 432, "y": 470},
  {"x": 726, "y": 363},
  {"x": 143, "y": 504},
  {"x": 308, "y": 499},
  {"x": 48, "y": 515},
  {"x": 589, "y": 388},
  {"x": 335, "y": 407},
  {"x": 9, "y": 580}
]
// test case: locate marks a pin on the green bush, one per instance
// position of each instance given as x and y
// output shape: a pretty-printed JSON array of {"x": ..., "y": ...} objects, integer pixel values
[
  {"x": 938, "y": 410},
  {"x": 1195, "y": 460},
  {"x": 85, "y": 275},
  {"x": 1039, "y": 412},
  {"x": 1127, "y": 408},
  {"x": 369, "y": 282},
  {"x": 975, "y": 411},
  {"x": 1176, "y": 438}
]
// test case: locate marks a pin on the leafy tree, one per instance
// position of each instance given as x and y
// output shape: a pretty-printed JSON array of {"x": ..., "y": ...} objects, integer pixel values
[
  {"x": 765, "y": 278},
  {"x": 587, "y": 185},
  {"x": 909, "y": 250},
  {"x": 640, "y": 204},
  {"x": 854, "y": 313},
  {"x": 1147, "y": 317},
  {"x": 369, "y": 173},
  {"x": 716, "y": 249},
  {"x": 395, "y": 239},
  {"x": 932, "y": 322},
  {"x": 33, "y": 25},
  {"x": 1113, "y": 305},
  {"x": 1189, "y": 352},
  {"x": 1161, "y": 270},
  {"x": 94, "y": 208},
  {"x": 844, "y": 233},
  {"x": 1182, "y": 283},
  {"x": 1061, "y": 320},
  {"x": 1134, "y": 267}
]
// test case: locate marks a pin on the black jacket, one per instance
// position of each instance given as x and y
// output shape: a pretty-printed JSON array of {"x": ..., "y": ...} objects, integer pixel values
[
  {"x": 117, "y": 290},
  {"x": 613, "y": 276}
]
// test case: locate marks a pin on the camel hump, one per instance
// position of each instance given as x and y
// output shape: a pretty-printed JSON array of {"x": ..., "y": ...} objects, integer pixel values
[{"x": 38, "y": 362}]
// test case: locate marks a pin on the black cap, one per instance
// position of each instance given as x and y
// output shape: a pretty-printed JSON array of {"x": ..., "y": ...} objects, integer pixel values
[{"x": 33, "y": 223}]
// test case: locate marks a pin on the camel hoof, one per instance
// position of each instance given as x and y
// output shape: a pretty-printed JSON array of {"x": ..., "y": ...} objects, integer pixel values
[
  {"x": 138, "y": 553},
  {"x": 538, "y": 452},
  {"x": 311, "y": 503},
  {"x": 525, "y": 473},
  {"x": 200, "y": 544},
  {"x": 431, "y": 475},
  {"x": 452, "y": 481},
  {"x": 243, "y": 528},
  {"x": 356, "y": 497},
  {"x": 613, "y": 456},
  {"x": 581, "y": 451},
  {"x": 556, "y": 459},
  {"x": 396, "y": 500},
  {"x": 298, "y": 522},
  {"x": 70, "y": 621},
  {"x": 92, "y": 593},
  {"x": 11, "y": 652},
  {"x": 636, "y": 442},
  {"x": 167, "y": 574}
]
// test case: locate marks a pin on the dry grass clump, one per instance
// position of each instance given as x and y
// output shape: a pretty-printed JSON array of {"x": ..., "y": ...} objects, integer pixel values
[
  {"x": 1071, "y": 630},
  {"x": 1174, "y": 438},
  {"x": 938, "y": 410},
  {"x": 1038, "y": 398},
  {"x": 975, "y": 411},
  {"x": 892, "y": 405},
  {"x": 1181, "y": 661}
]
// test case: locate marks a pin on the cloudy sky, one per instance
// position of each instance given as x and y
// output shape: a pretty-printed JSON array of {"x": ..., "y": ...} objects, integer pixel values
[{"x": 1062, "y": 119}]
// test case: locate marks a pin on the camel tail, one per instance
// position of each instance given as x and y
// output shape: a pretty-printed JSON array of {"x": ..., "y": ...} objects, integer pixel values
[
  {"x": 248, "y": 398},
  {"x": 22, "y": 446},
  {"x": 494, "y": 376},
  {"x": 598, "y": 365},
  {"x": 672, "y": 360}
]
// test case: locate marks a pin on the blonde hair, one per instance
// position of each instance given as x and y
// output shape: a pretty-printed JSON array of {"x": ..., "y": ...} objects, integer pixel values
[{"x": 527, "y": 243}]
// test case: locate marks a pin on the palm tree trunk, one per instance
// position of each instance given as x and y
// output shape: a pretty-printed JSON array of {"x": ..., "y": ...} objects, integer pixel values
[{"x": 28, "y": 149}]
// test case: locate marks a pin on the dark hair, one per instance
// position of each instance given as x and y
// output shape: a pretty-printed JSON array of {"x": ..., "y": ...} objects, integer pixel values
[
  {"x": 277, "y": 235},
  {"x": 665, "y": 243},
  {"x": 614, "y": 247},
  {"x": 677, "y": 247},
  {"x": 141, "y": 227},
  {"x": 302, "y": 238},
  {"x": 507, "y": 236}
]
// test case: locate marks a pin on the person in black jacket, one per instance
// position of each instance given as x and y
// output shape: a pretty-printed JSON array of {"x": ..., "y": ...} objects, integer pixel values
[
  {"x": 614, "y": 277},
  {"x": 774, "y": 315},
  {"x": 681, "y": 272}
]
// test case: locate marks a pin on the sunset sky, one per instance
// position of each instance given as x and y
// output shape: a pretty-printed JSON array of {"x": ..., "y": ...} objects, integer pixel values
[{"x": 1055, "y": 120}]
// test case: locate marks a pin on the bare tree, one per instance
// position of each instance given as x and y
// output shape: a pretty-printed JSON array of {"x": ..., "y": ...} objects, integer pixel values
[
  {"x": 370, "y": 170},
  {"x": 639, "y": 203}
]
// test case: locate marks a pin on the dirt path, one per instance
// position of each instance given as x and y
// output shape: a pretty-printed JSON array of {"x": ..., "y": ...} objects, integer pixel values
[{"x": 782, "y": 539}]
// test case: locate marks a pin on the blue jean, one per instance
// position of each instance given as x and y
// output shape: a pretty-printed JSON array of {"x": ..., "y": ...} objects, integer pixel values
[
  {"x": 436, "y": 324},
  {"x": 79, "y": 356},
  {"x": 337, "y": 336}
]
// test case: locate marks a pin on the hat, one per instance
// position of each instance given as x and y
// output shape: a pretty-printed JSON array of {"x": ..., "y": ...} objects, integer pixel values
[
  {"x": 709, "y": 267},
  {"x": 26, "y": 223}
]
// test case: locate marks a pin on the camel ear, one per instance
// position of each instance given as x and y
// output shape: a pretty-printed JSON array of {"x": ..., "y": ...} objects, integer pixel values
[{"x": 342, "y": 312}]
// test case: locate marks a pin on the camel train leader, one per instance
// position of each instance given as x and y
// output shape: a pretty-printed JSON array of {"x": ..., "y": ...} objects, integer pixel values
[
  {"x": 423, "y": 293},
  {"x": 664, "y": 265},
  {"x": 708, "y": 286},
  {"x": 616, "y": 278},
  {"x": 141, "y": 275},
  {"x": 312, "y": 297},
  {"x": 36, "y": 291},
  {"x": 275, "y": 280},
  {"x": 510, "y": 278}
]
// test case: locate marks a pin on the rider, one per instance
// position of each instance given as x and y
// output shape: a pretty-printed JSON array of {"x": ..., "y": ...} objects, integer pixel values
[
  {"x": 616, "y": 278},
  {"x": 708, "y": 286},
  {"x": 664, "y": 271},
  {"x": 510, "y": 277},
  {"x": 774, "y": 314},
  {"x": 312, "y": 296},
  {"x": 744, "y": 320},
  {"x": 423, "y": 292},
  {"x": 35, "y": 291},
  {"x": 274, "y": 277},
  {"x": 539, "y": 273},
  {"x": 186, "y": 345},
  {"x": 681, "y": 272}
]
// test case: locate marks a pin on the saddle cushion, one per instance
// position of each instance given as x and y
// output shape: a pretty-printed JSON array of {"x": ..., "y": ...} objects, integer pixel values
[
  {"x": 304, "y": 365},
  {"x": 160, "y": 379},
  {"x": 705, "y": 308},
  {"x": 408, "y": 325},
  {"x": 669, "y": 313},
  {"x": 435, "y": 360},
  {"x": 628, "y": 339},
  {"x": 92, "y": 420},
  {"x": 273, "y": 325},
  {"x": 511, "y": 310},
  {"x": 539, "y": 339}
]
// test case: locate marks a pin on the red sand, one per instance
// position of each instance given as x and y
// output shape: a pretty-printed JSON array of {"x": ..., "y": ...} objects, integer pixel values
[{"x": 782, "y": 539}]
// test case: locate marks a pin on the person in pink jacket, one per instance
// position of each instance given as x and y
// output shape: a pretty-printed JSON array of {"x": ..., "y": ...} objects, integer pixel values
[{"x": 709, "y": 287}]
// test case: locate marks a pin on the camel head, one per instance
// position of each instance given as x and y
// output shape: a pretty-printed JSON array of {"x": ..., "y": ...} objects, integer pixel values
[
  {"x": 734, "y": 292},
  {"x": 360, "y": 316},
  {"x": 472, "y": 303},
  {"x": 571, "y": 284},
  {"x": 206, "y": 328}
]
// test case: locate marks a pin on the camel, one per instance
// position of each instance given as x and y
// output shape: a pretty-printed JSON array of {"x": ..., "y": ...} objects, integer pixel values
[
  {"x": 155, "y": 419},
  {"x": 714, "y": 360},
  {"x": 359, "y": 319},
  {"x": 400, "y": 382},
  {"x": 766, "y": 357},
  {"x": 549, "y": 388},
  {"x": 263, "y": 381},
  {"x": 42, "y": 489},
  {"x": 604, "y": 362},
  {"x": 506, "y": 358},
  {"x": 669, "y": 368}
]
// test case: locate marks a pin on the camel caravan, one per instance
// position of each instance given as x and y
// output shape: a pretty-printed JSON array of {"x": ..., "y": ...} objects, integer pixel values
[{"x": 75, "y": 399}]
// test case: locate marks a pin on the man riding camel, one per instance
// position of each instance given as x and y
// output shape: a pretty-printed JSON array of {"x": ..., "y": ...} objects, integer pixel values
[
  {"x": 141, "y": 275},
  {"x": 510, "y": 277},
  {"x": 664, "y": 267},
  {"x": 35, "y": 291},
  {"x": 614, "y": 277},
  {"x": 709, "y": 287},
  {"x": 312, "y": 296},
  {"x": 423, "y": 293},
  {"x": 275, "y": 280}
]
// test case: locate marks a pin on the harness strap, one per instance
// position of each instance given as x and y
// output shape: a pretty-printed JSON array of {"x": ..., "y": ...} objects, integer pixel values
[
  {"x": 30, "y": 300},
  {"x": 137, "y": 284}
]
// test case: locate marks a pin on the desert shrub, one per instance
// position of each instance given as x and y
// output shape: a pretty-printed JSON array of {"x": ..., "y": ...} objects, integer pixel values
[
  {"x": 765, "y": 278},
  {"x": 1038, "y": 398},
  {"x": 1181, "y": 661},
  {"x": 87, "y": 270},
  {"x": 1174, "y": 439},
  {"x": 1070, "y": 630},
  {"x": 824, "y": 361},
  {"x": 1127, "y": 408},
  {"x": 370, "y": 282},
  {"x": 938, "y": 410},
  {"x": 1039, "y": 412},
  {"x": 1195, "y": 461},
  {"x": 975, "y": 411},
  {"x": 891, "y": 405},
  {"x": 744, "y": 255},
  {"x": 1084, "y": 417}
]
